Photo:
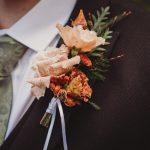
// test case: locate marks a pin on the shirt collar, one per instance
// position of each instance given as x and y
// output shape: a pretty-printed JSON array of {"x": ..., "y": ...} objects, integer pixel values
[{"x": 38, "y": 27}]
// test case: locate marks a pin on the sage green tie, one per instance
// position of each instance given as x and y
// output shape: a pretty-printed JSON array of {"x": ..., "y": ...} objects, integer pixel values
[{"x": 10, "y": 52}]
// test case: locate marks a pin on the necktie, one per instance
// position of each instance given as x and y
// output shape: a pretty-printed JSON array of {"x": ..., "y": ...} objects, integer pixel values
[{"x": 10, "y": 52}]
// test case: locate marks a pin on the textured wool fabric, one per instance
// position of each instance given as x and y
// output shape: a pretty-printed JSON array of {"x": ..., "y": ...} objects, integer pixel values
[
  {"x": 123, "y": 121},
  {"x": 10, "y": 52}
]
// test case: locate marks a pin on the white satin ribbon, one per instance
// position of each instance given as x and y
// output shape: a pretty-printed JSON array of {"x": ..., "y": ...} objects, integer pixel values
[{"x": 52, "y": 110}]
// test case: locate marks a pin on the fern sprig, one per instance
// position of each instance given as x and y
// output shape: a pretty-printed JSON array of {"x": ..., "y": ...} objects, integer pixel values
[
  {"x": 100, "y": 20},
  {"x": 101, "y": 24}
]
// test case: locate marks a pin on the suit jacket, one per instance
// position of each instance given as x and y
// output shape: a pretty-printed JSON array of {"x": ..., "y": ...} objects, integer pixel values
[{"x": 124, "y": 119}]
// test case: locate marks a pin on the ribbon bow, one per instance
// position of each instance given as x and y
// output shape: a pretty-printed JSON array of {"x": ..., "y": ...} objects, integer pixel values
[{"x": 52, "y": 110}]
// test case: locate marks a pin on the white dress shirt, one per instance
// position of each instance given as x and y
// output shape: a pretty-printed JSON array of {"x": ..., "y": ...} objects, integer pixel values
[{"x": 37, "y": 30}]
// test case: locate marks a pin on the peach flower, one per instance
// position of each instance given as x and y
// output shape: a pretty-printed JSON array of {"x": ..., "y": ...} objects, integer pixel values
[
  {"x": 76, "y": 36},
  {"x": 71, "y": 89}
]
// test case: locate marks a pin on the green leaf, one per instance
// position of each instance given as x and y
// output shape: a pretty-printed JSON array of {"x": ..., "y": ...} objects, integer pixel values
[
  {"x": 99, "y": 76},
  {"x": 101, "y": 70},
  {"x": 100, "y": 49},
  {"x": 94, "y": 18},
  {"x": 95, "y": 55},
  {"x": 98, "y": 13},
  {"x": 94, "y": 105},
  {"x": 75, "y": 51},
  {"x": 100, "y": 19}
]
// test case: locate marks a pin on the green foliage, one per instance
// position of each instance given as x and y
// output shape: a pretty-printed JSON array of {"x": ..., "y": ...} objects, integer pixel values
[
  {"x": 99, "y": 21},
  {"x": 99, "y": 67},
  {"x": 100, "y": 62},
  {"x": 101, "y": 24}
]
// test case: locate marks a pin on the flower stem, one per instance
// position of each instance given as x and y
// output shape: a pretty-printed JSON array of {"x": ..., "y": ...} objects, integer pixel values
[
  {"x": 94, "y": 105},
  {"x": 46, "y": 119}
]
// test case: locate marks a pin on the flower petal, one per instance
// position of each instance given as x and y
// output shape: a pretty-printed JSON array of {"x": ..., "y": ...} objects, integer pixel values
[
  {"x": 38, "y": 92},
  {"x": 40, "y": 82},
  {"x": 77, "y": 37},
  {"x": 64, "y": 66},
  {"x": 80, "y": 20}
]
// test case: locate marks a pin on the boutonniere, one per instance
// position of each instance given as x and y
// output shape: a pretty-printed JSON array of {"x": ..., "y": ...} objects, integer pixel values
[{"x": 66, "y": 70}]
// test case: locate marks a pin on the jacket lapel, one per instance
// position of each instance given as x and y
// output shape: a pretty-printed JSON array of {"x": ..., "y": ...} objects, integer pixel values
[{"x": 28, "y": 134}]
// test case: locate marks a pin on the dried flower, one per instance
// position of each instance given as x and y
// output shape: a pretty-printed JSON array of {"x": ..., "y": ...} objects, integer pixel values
[
  {"x": 79, "y": 85},
  {"x": 86, "y": 61},
  {"x": 80, "y": 20},
  {"x": 75, "y": 88},
  {"x": 70, "y": 102}
]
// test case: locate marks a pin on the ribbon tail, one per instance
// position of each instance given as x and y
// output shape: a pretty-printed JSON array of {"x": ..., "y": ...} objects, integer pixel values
[
  {"x": 50, "y": 128},
  {"x": 62, "y": 124},
  {"x": 52, "y": 108}
]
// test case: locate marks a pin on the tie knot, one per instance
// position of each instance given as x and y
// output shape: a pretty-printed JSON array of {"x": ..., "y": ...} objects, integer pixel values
[{"x": 10, "y": 53}]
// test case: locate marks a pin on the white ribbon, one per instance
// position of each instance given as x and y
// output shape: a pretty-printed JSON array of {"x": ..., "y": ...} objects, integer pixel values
[{"x": 52, "y": 110}]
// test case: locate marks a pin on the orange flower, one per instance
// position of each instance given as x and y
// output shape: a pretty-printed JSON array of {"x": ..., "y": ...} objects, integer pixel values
[
  {"x": 85, "y": 60},
  {"x": 78, "y": 86},
  {"x": 69, "y": 102},
  {"x": 57, "y": 83},
  {"x": 80, "y": 20},
  {"x": 72, "y": 88}
]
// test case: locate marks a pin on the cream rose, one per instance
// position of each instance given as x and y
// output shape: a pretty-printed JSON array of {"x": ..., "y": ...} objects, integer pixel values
[
  {"x": 76, "y": 36},
  {"x": 53, "y": 62}
]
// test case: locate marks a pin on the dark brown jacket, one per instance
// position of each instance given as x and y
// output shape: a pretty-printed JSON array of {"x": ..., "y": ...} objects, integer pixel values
[{"x": 124, "y": 120}]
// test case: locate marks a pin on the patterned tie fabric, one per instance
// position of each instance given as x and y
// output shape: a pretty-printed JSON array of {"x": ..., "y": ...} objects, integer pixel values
[{"x": 10, "y": 52}]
